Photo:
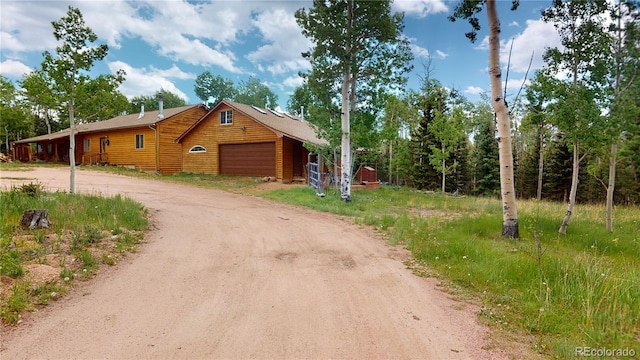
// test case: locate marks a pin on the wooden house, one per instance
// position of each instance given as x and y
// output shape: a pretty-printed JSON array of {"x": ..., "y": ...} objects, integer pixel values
[
  {"x": 145, "y": 141},
  {"x": 239, "y": 139},
  {"x": 230, "y": 139}
]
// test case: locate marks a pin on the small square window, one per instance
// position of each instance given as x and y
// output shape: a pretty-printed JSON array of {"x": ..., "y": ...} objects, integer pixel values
[
  {"x": 226, "y": 117},
  {"x": 139, "y": 141}
]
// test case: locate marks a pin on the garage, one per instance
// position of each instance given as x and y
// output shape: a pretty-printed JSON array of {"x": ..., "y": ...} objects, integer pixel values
[{"x": 256, "y": 159}]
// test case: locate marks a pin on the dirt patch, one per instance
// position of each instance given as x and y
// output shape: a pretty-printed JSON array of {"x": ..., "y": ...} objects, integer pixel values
[{"x": 38, "y": 274}]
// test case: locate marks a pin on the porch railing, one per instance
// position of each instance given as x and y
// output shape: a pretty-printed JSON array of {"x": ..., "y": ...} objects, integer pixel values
[{"x": 95, "y": 159}]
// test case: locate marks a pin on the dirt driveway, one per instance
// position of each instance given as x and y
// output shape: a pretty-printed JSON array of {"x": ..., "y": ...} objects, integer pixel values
[{"x": 236, "y": 277}]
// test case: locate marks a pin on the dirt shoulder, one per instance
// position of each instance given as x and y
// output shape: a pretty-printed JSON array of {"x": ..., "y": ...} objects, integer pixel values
[{"x": 224, "y": 275}]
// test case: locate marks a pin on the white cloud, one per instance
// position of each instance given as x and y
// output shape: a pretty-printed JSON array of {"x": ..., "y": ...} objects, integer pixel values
[
  {"x": 419, "y": 8},
  {"x": 418, "y": 51},
  {"x": 474, "y": 90},
  {"x": 441, "y": 54},
  {"x": 22, "y": 27},
  {"x": 13, "y": 69},
  {"x": 514, "y": 23},
  {"x": 284, "y": 43},
  {"x": 173, "y": 72},
  {"x": 144, "y": 82},
  {"x": 535, "y": 39},
  {"x": 517, "y": 83},
  {"x": 293, "y": 81}
]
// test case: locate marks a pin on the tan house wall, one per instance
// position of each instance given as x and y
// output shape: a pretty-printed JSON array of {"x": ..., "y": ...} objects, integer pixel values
[
  {"x": 122, "y": 147},
  {"x": 170, "y": 152},
  {"x": 210, "y": 134},
  {"x": 122, "y": 144}
]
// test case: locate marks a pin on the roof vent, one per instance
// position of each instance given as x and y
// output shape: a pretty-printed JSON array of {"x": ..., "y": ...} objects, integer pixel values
[
  {"x": 160, "y": 105},
  {"x": 141, "y": 111},
  {"x": 259, "y": 110}
]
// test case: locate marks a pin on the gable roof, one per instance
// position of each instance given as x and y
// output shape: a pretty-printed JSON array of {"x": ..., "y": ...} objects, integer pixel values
[
  {"x": 116, "y": 123},
  {"x": 285, "y": 124}
]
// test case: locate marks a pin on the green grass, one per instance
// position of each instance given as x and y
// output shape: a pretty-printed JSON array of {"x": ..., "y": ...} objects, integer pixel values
[
  {"x": 18, "y": 301},
  {"x": 79, "y": 225},
  {"x": 566, "y": 291},
  {"x": 97, "y": 212},
  {"x": 575, "y": 290}
]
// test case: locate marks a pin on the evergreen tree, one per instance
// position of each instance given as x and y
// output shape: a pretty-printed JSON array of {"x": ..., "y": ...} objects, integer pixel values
[
  {"x": 461, "y": 177},
  {"x": 429, "y": 105},
  {"x": 527, "y": 171},
  {"x": 557, "y": 177},
  {"x": 487, "y": 168}
]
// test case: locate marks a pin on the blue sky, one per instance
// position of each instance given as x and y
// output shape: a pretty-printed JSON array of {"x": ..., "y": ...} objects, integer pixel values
[{"x": 166, "y": 44}]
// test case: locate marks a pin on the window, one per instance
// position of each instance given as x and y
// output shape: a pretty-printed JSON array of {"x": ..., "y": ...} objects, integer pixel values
[
  {"x": 226, "y": 117},
  {"x": 139, "y": 141},
  {"x": 198, "y": 149},
  {"x": 87, "y": 145}
]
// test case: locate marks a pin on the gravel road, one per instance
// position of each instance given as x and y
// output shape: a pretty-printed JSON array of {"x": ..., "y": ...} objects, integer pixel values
[{"x": 231, "y": 276}]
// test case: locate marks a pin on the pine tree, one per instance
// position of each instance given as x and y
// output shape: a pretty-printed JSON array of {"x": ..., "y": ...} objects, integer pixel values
[
  {"x": 557, "y": 176},
  {"x": 487, "y": 169}
]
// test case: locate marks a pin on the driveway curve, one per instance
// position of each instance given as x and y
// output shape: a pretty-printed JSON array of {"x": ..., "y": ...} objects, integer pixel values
[{"x": 224, "y": 275}]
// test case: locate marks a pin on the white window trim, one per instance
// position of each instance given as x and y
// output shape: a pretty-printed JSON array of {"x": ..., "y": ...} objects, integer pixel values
[
  {"x": 228, "y": 120},
  {"x": 204, "y": 149}
]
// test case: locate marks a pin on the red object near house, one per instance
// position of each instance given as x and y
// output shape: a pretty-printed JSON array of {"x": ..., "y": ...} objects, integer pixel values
[{"x": 367, "y": 174}]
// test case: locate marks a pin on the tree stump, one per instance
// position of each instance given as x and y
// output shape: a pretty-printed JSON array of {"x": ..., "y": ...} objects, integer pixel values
[{"x": 35, "y": 219}]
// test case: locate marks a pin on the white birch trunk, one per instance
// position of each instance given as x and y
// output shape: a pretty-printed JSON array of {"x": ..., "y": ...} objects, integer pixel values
[
  {"x": 390, "y": 161},
  {"x": 574, "y": 189},
  {"x": 345, "y": 180},
  {"x": 507, "y": 186},
  {"x": 611, "y": 186},
  {"x": 72, "y": 148},
  {"x": 540, "y": 164},
  {"x": 444, "y": 171}
]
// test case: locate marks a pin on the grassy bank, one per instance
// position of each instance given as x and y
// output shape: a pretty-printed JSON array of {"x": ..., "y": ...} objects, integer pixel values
[
  {"x": 567, "y": 291},
  {"x": 39, "y": 265}
]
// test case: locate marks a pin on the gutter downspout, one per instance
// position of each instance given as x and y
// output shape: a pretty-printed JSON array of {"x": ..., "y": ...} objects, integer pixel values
[{"x": 155, "y": 147}]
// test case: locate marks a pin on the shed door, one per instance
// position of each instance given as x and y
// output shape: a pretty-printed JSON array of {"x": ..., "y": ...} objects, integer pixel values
[{"x": 248, "y": 159}]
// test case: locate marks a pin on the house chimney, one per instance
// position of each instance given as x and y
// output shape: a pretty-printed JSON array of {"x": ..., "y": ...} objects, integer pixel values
[
  {"x": 302, "y": 113},
  {"x": 160, "y": 105},
  {"x": 141, "y": 111}
]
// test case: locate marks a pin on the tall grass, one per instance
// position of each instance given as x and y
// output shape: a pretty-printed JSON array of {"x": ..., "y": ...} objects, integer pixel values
[
  {"x": 576, "y": 290},
  {"x": 83, "y": 219},
  {"x": 72, "y": 211}
]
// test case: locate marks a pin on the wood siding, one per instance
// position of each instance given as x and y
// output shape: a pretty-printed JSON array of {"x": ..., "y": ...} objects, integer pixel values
[
  {"x": 210, "y": 134},
  {"x": 122, "y": 144},
  {"x": 122, "y": 147},
  {"x": 287, "y": 162},
  {"x": 170, "y": 152}
]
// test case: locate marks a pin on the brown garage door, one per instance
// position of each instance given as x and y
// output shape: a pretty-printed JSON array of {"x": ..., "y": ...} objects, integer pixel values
[{"x": 248, "y": 159}]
